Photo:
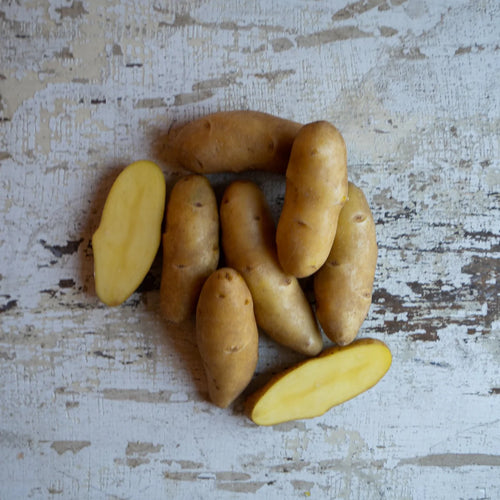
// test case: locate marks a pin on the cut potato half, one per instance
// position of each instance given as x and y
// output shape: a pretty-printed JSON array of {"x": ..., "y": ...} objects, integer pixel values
[
  {"x": 128, "y": 237},
  {"x": 312, "y": 387}
]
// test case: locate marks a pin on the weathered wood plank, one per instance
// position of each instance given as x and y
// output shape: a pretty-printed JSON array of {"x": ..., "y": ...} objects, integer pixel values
[{"x": 100, "y": 402}]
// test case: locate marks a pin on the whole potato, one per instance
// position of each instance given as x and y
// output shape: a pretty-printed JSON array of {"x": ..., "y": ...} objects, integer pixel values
[
  {"x": 343, "y": 286},
  {"x": 316, "y": 190},
  {"x": 190, "y": 246},
  {"x": 281, "y": 307},
  {"x": 232, "y": 141},
  {"x": 227, "y": 335}
]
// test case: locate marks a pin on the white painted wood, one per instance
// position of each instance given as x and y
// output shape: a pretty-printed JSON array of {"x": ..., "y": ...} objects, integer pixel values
[{"x": 111, "y": 403}]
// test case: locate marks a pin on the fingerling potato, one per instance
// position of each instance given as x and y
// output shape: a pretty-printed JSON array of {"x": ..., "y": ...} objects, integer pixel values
[
  {"x": 312, "y": 387},
  {"x": 281, "y": 307},
  {"x": 343, "y": 286},
  {"x": 128, "y": 237},
  {"x": 227, "y": 335},
  {"x": 316, "y": 190},
  {"x": 232, "y": 141},
  {"x": 190, "y": 246}
]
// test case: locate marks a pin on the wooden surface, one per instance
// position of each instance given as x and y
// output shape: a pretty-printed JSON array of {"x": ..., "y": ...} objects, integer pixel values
[{"x": 107, "y": 403}]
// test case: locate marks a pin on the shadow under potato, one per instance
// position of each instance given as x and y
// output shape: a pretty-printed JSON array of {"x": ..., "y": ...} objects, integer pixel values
[
  {"x": 182, "y": 339},
  {"x": 98, "y": 196}
]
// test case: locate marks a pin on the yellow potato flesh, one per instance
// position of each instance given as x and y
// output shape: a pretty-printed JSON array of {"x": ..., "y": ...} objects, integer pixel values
[
  {"x": 128, "y": 237},
  {"x": 314, "y": 386}
]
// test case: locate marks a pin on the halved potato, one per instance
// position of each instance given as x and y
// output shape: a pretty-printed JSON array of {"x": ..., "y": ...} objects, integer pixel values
[
  {"x": 128, "y": 237},
  {"x": 312, "y": 387}
]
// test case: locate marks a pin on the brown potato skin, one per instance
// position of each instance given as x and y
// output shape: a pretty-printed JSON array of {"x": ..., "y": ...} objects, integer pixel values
[
  {"x": 343, "y": 286},
  {"x": 190, "y": 246},
  {"x": 227, "y": 335},
  {"x": 232, "y": 141},
  {"x": 316, "y": 189},
  {"x": 281, "y": 307}
]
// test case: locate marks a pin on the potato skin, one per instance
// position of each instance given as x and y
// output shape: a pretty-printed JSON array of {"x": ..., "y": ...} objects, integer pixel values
[
  {"x": 281, "y": 307},
  {"x": 190, "y": 246},
  {"x": 316, "y": 189},
  {"x": 343, "y": 286},
  {"x": 227, "y": 335},
  {"x": 232, "y": 141}
]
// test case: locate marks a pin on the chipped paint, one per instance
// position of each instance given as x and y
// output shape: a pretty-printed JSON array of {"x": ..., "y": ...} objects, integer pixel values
[
  {"x": 331, "y": 35},
  {"x": 62, "y": 447},
  {"x": 69, "y": 248},
  {"x": 139, "y": 396},
  {"x": 454, "y": 460},
  {"x": 276, "y": 76},
  {"x": 74, "y": 11},
  {"x": 138, "y": 448},
  {"x": 192, "y": 97}
]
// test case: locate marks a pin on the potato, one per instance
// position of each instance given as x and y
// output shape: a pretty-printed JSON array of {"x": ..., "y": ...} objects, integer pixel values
[
  {"x": 190, "y": 246},
  {"x": 281, "y": 307},
  {"x": 227, "y": 335},
  {"x": 316, "y": 189},
  {"x": 128, "y": 237},
  {"x": 312, "y": 387},
  {"x": 232, "y": 141},
  {"x": 343, "y": 286}
]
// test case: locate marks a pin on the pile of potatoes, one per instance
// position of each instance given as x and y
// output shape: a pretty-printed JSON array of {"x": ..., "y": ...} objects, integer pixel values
[{"x": 325, "y": 230}]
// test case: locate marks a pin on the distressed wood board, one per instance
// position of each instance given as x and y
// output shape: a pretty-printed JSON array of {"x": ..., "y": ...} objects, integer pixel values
[{"x": 108, "y": 403}]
